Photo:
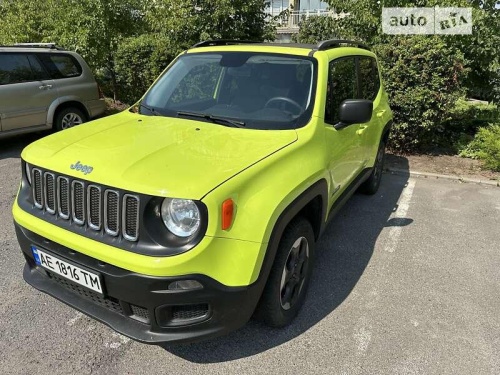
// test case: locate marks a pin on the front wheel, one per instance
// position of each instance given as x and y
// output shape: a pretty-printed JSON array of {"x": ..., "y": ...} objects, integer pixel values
[
  {"x": 371, "y": 185},
  {"x": 69, "y": 117},
  {"x": 289, "y": 278}
]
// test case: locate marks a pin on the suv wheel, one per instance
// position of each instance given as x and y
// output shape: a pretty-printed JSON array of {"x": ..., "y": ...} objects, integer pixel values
[
  {"x": 69, "y": 117},
  {"x": 371, "y": 185},
  {"x": 286, "y": 287}
]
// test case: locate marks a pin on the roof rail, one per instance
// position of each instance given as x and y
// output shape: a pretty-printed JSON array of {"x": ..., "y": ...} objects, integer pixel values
[
  {"x": 36, "y": 45},
  {"x": 223, "y": 42},
  {"x": 334, "y": 43}
]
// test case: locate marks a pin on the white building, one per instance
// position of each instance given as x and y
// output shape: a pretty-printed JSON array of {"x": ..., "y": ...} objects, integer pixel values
[{"x": 289, "y": 13}]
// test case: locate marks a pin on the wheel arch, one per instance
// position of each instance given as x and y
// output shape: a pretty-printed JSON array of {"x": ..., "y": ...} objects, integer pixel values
[
  {"x": 386, "y": 131},
  {"x": 312, "y": 205},
  {"x": 63, "y": 103}
]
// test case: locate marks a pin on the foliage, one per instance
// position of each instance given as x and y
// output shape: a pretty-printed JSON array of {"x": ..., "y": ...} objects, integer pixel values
[
  {"x": 422, "y": 76},
  {"x": 185, "y": 24},
  {"x": 138, "y": 61},
  {"x": 316, "y": 28},
  {"x": 107, "y": 32},
  {"x": 486, "y": 146},
  {"x": 481, "y": 50}
]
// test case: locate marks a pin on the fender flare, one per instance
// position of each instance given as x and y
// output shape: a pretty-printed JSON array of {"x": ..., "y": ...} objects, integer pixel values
[
  {"x": 56, "y": 103},
  {"x": 319, "y": 188},
  {"x": 387, "y": 129}
]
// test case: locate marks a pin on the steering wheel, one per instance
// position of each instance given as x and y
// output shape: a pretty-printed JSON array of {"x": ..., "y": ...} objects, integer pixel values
[{"x": 285, "y": 100}]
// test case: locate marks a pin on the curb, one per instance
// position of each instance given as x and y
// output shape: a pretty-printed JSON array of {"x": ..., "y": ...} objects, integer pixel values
[{"x": 404, "y": 172}]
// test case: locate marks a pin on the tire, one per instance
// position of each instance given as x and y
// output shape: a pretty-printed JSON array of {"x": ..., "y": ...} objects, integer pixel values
[
  {"x": 282, "y": 299},
  {"x": 69, "y": 117},
  {"x": 371, "y": 185}
]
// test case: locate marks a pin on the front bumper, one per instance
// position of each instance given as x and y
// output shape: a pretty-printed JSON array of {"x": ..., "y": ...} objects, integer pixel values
[{"x": 139, "y": 306}]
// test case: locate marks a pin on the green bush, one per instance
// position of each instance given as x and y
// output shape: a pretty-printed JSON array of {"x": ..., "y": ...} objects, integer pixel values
[
  {"x": 422, "y": 76},
  {"x": 138, "y": 62},
  {"x": 465, "y": 118},
  {"x": 485, "y": 146}
]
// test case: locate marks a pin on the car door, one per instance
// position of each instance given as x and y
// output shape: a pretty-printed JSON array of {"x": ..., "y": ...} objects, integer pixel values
[
  {"x": 344, "y": 146},
  {"x": 25, "y": 91},
  {"x": 369, "y": 87}
]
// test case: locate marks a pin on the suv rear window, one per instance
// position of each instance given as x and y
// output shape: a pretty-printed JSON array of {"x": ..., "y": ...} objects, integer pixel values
[{"x": 60, "y": 66}]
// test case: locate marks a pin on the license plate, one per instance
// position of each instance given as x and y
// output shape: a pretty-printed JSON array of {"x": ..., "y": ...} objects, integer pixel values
[{"x": 67, "y": 270}]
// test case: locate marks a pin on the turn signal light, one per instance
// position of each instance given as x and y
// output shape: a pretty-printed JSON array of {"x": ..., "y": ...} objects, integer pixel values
[{"x": 227, "y": 213}]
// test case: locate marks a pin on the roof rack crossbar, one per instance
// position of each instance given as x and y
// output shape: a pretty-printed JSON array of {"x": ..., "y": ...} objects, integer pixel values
[
  {"x": 334, "y": 43},
  {"x": 223, "y": 42}
]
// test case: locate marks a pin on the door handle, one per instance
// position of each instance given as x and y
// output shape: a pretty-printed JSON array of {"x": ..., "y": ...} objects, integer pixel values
[
  {"x": 380, "y": 113},
  {"x": 45, "y": 87},
  {"x": 361, "y": 130}
]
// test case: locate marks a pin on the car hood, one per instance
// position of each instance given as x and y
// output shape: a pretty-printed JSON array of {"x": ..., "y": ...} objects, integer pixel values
[{"x": 159, "y": 156}]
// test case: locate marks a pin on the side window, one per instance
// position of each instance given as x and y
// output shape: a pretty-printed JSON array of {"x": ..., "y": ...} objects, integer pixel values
[
  {"x": 342, "y": 85},
  {"x": 369, "y": 78},
  {"x": 39, "y": 73},
  {"x": 14, "y": 68},
  {"x": 60, "y": 65}
]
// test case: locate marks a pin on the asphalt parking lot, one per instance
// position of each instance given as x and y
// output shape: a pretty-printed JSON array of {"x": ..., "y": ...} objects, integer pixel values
[{"x": 406, "y": 282}]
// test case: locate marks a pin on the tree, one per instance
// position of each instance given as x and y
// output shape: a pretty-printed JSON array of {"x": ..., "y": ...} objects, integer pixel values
[{"x": 186, "y": 22}]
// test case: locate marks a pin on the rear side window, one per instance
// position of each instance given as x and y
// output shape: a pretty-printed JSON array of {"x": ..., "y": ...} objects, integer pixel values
[
  {"x": 15, "y": 68},
  {"x": 60, "y": 65},
  {"x": 369, "y": 78},
  {"x": 342, "y": 85}
]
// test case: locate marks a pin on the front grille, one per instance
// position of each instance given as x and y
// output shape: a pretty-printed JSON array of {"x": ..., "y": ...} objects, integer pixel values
[
  {"x": 189, "y": 312},
  {"x": 87, "y": 205}
]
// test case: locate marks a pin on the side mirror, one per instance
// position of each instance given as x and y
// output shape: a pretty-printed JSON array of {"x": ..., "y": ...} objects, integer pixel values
[{"x": 354, "y": 111}]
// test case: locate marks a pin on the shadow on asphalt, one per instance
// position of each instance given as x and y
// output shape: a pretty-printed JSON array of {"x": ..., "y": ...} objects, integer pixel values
[
  {"x": 342, "y": 255},
  {"x": 13, "y": 146}
]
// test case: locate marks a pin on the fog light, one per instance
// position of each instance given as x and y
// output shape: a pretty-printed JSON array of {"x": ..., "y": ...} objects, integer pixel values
[{"x": 185, "y": 285}]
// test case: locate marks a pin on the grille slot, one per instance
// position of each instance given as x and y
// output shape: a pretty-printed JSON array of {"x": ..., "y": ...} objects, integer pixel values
[
  {"x": 112, "y": 212},
  {"x": 94, "y": 205},
  {"x": 140, "y": 312},
  {"x": 50, "y": 192},
  {"x": 63, "y": 197},
  {"x": 189, "y": 312},
  {"x": 37, "y": 188},
  {"x": 78, "y": 202},
  {"x": 88, "y": 205},
  {"x": 130, "y": 217},
  {"x": 109, "y": 303}
]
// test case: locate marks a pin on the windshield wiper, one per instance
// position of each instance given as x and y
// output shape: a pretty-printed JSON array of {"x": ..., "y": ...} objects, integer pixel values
[
  {"x": 150, "y": 109},
  {"x": 216, "y": 119}
]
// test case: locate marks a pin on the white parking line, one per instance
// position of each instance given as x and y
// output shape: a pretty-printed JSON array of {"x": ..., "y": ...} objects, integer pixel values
[
  {"x": 400, "y": 213},
  {"x": 7, "y": 164},
  {"x": 72, "y": 321}
]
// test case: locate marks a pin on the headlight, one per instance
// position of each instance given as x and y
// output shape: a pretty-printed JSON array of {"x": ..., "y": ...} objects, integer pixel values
[
  {"x": 28, "y": 172},
  {"x": 180, "y": 216}
]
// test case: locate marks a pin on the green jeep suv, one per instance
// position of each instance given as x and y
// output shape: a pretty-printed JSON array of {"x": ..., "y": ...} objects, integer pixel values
[{"x": 200, "y": 206}]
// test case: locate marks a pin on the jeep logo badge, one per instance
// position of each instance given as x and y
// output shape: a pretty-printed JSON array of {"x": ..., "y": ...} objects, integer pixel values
[{"x": 85, "y": 169}]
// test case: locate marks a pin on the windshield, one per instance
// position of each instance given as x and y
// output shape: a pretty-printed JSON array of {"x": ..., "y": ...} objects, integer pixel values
[{"x": 251, "y": 90}]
